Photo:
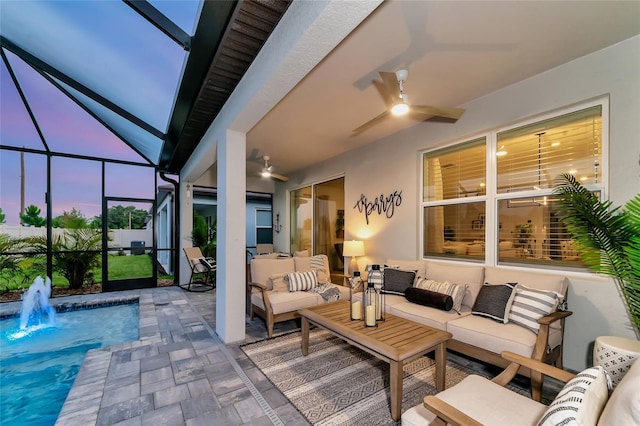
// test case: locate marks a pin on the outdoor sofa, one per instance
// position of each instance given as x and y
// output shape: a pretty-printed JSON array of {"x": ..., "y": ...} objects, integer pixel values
[
  {"x": 271, "y": 299},
  {"x": 480, "y": 337}
]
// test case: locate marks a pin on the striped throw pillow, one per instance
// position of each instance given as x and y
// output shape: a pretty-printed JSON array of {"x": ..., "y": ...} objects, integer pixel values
[
  {"x": 456, "y": 291},
  {"x": 581, "y": 400},
  {"x": 530, "y": 304},
  {"x": 302, "y": 281}
]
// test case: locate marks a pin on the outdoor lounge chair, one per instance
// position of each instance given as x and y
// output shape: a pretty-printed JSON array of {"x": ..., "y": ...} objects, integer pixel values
[{"x": 202, "y": 267}]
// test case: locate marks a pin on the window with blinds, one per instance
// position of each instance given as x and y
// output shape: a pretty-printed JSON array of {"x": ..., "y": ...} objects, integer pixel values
[
  {"x": 455, "y": 228},
  {"x": 455, "y": 231},
  {"x": 456, "y": 172},
  {"x": 532, "y": 156},
  {"x": 523, "y": 226}
]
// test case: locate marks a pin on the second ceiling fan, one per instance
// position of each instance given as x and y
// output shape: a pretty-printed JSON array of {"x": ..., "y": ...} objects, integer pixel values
[
  {"x": 399, "y": 102},
  {"x": 267, "y": 170}
]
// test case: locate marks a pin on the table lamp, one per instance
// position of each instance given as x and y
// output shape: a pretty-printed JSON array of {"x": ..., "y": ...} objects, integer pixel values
[{"x": 353, "y": 249}]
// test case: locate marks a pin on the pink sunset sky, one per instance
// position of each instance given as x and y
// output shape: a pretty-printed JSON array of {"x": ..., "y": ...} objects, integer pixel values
[{"x": 131, "y": 63}]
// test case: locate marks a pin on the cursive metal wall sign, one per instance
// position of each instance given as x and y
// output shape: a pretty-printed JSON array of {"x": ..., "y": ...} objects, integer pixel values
[{"x": 380, "y": 204}]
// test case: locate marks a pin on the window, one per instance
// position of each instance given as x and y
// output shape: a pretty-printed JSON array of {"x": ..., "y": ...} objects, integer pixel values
[
  {"x": 511, "y": 200},
  {"x": 453, "y": 225},
  {"x": 264, "y": 230}
]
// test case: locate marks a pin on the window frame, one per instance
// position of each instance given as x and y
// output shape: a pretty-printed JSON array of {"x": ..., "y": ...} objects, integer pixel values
[{"x": 492, "y": 197}]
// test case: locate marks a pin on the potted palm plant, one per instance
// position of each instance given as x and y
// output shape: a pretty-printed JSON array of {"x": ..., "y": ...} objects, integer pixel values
[{"x": 607, "y": 238}]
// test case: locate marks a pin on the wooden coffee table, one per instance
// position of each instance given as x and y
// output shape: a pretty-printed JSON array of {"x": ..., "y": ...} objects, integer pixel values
[{"x": 395, "y": 341}]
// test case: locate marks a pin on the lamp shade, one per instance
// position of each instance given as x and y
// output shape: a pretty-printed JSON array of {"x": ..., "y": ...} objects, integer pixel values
[{"x": 353, "y": 248}]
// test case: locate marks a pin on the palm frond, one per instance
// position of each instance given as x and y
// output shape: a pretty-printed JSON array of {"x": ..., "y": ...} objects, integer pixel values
[{"x": 607, "y": 238}]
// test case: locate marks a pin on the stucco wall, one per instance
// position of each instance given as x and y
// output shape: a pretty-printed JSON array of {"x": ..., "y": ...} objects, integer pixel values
[{"x": 393, "y": 164}]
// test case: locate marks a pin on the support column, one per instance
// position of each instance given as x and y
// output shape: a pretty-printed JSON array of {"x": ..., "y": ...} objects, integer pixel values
[
  {"x": 231, "y": 247},
  {"x": 186, "y": 226}
]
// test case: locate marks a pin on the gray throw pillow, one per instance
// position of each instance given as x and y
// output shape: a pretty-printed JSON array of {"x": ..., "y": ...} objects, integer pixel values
[
  {"x": 396, "y": 281},
  {"x": 494, "y": 301}
]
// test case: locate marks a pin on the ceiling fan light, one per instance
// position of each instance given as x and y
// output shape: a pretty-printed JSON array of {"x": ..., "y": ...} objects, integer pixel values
[
  {"x": 399, "y": 108},
  {"x": 266, "y": 173}
]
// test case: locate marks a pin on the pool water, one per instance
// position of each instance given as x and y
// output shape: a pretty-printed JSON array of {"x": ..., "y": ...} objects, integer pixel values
[{"x": 38, "y": 367}]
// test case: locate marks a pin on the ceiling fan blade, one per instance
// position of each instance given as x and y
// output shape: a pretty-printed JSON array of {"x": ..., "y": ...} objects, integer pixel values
[
  {"x": 391, "y": 83},
  {"x": 454, "y": 113},
  {"x": 371, "y": 122},
  {"x": 279, "y": 177}
]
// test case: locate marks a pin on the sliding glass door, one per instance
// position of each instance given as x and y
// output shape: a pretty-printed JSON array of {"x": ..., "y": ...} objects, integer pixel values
[{"x": 317, "y": 221}]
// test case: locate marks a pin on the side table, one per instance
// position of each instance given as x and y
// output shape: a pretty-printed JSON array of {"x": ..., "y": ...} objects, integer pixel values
[{"x": 616, "y": 355}]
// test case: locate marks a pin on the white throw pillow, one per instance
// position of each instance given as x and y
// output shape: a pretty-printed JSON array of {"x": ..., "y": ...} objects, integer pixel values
[
  {"x": 623, "y": 407},
  {"x": 529, "y": 305},
  {"x": 580, "y": 401}
]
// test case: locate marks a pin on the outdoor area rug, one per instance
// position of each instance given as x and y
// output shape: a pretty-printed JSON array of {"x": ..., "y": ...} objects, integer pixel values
[{"x": 338, "y": 384}]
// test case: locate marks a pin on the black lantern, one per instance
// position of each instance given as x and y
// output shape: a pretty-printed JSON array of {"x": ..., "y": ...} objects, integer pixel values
[
  {"x": 369, "y": 302},
  {"x": 376, "y": 277},
  {"x": 355, "y": 304}
]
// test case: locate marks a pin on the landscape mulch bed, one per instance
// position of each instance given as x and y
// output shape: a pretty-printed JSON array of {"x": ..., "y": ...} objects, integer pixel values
[{"x": 16, "y": 295}]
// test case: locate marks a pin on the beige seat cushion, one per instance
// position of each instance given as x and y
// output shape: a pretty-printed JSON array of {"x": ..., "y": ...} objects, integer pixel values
[
  {"x": 492, "y": 336},
  {"x": 549, "y": 282},
  {"x": 425, "y": 315},
  {"x": 409, "y": 265},
  {"x": 485, "y": 401},
  {"x": 262, "y": 269},
  {"x": 303, "y": 264},
  {"x": 471, "y": 276},
  {"x": 288, "y": 301}
]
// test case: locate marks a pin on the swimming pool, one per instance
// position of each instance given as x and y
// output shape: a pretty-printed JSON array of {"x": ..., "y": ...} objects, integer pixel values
[{"x": 38, "y": 368}]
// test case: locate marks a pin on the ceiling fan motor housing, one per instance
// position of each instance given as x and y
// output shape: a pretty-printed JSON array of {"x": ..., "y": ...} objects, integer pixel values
[{"x": 402, "y": 75}]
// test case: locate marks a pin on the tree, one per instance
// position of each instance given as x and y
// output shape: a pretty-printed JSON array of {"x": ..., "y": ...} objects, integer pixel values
[
  {"x": 119, "y": 216},
  {"x": 31, "y": 217},
  {"x": 76, "y": 253},
  {"x": 72, "y": 220},
  {"x": 203, "y": 236},
  {"x": 3, "y": 218}
]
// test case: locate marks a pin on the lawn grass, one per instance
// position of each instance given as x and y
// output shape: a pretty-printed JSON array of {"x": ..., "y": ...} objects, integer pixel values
[{"x": 120, "y": 267}]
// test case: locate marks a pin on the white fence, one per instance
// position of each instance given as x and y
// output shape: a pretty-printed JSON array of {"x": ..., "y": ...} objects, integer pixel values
[{"x": 119, "y": 237}]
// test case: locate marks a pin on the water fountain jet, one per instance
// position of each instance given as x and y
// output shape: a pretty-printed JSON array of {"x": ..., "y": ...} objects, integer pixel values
[{"x": 36, "y": 310}]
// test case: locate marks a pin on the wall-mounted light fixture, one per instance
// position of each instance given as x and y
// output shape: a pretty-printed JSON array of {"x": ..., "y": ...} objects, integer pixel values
[
  {"x": 276, "y": 226},
  {"x": 188, "y": 191}
]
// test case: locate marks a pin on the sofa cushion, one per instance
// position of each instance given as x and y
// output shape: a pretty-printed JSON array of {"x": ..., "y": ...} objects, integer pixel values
[
  {"x": 262, "y": 269},
  {"x": 420, "y": 266},
  {"x": 581, "y": 400},
  {"x": 301, "y": 281},
  {"x": 536, "y": 280},
  {"x": 470, "y": 275},
  {"x": 623, "y": 407},
  {"x": 444, "y": 302},
  {"x": 424, "y": 314},
  {"x": 282, "y": 302},
  {"x": 492, "y": 335},
  {"x": 457, "y": 292},
  {"x": 494, "y": 301},
  {"x": 277, "y": 282},
  {"x": 483, "y": 400},
  {"x": 396, "y": 281},
  {"x": 530, "y": 304},
  {"x": 319, "y": 261}
]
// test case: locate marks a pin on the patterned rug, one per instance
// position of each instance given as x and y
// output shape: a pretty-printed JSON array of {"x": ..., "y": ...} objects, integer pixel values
[{"x": 338, "y": 384}]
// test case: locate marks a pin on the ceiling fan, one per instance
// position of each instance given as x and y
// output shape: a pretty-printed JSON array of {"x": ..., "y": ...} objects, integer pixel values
[
  {"x": 267, "y": 170},
  {"x": 399, "y": 102}
]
